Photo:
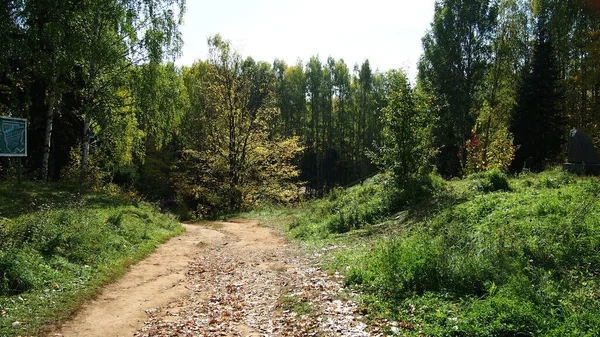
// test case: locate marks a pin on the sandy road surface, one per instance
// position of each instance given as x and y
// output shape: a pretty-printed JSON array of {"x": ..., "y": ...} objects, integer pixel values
[{"x": 231, "y": 278}]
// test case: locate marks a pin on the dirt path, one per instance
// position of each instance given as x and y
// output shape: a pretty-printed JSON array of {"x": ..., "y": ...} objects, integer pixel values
[{"x": 222, "y": 279}]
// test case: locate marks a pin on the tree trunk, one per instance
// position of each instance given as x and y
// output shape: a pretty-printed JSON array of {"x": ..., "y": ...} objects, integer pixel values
[
  {"x": 85, "y": 147},
  {"x": 48, "y": 131}
]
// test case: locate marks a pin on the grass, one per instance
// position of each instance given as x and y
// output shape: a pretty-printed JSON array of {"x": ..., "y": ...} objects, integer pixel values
[
  {"x": 58, "y": 246},
  {"x": 295, "y": 304},
  {"x": 361, "y": 206},
  {"x": 488, "y": 255},
  {"x": 274, "y": 216}
]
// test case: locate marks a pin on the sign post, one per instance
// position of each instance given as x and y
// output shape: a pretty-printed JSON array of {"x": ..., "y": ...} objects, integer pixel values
[{"x": 13, "y": 139}]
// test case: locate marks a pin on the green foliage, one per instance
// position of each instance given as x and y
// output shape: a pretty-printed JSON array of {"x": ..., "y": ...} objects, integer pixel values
[
  {"x": 238, "y": 163},
  {"x": 70, "y": 66},
  {"x": 63, "y": 245},
  {"x": 71, "y": 173},
  {"x": 404, "y": 137},
  {"x": 491, "y": 144},
  {"x": 490, "y": 181},
  {"x": 336, "y": 115},
  {"x": 160, "y": 101},
  {"x": 362, "y": 205},
  {"x": 155, "y": 174},
  {"x": 536, "y": 122},
  {"x": 342, "y": 211},
  {"x": 454, "y": 64},
  {"x": 503, "y": 259},
  {"x": 488, "y": 152},
  {"x": 15, "y": 272}
]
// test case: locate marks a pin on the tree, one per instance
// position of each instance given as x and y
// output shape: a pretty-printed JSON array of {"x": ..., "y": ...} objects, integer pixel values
[
  {"x": 290, "y": 92},
  {"x": 537, "y": 123},
  {"x": 12, "y": 55},
  {"x": 341, "y": 87},
  {"x": 316, "y": 92},
  {"x": 115, "y": 37},
  {"x": 79, "y": 54},
  {"x": 455, "y": 60},
  {"x": 238, "y": 163},
  {"x": 365, "y": 90},
  {"x": 404, "y": 137},
  {"x": 47, "y": 24},
  {"x": 160, "y": 100},
  {"x": 575, "y": 27},
  {"x": 343, "y": 122},
  {"x": 491, "y": 143}
]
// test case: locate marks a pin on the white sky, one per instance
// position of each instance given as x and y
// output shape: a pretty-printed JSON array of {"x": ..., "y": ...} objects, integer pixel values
[{"x": 386, "y": 32}]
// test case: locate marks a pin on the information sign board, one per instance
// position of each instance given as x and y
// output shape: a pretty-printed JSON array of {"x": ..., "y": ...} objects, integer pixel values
[{"x": 13, "y": 137}]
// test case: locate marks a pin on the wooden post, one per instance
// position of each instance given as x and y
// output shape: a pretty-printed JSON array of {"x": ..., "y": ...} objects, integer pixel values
[{"x": 20, "y": 172}]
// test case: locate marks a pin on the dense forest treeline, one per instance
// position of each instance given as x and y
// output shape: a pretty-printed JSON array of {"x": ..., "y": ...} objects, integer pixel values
[
  {"x": 88, "y": 69},
  {"x": 500, "y": 83}
]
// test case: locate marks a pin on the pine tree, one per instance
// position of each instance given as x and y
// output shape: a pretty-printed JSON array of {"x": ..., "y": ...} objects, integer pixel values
[{"x": 536, "y": 121}]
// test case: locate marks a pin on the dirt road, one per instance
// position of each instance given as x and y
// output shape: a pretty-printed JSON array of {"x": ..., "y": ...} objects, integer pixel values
[{"x": 222, "y": 279}]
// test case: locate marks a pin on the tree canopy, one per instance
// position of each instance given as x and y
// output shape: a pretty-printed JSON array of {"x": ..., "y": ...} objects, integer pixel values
[{"x": 500, "y": 83}]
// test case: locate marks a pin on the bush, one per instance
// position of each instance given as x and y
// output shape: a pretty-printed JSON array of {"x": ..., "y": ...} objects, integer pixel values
[
  {"x": 126, "y": 175},
  {"x": 345, "y": 210},
  {"x": 499, "y": 315},
  {"x": 490, "y": 181},
  {"x": 407, "y": 267}
]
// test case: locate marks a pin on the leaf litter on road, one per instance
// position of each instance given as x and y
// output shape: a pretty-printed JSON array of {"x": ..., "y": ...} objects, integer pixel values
[{"x": 241, "y": 289}]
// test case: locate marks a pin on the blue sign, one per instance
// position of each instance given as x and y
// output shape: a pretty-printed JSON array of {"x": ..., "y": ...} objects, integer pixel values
[{"x": 13, "y": 137}]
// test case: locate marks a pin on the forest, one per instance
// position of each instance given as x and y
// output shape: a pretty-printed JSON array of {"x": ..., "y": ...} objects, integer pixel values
[
  {"x": 500, "y": 84},
  {"x": 436, "y": 201}
]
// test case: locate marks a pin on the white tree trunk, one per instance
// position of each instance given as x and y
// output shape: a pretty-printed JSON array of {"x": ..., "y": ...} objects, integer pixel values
[
  {"x": 85, "y": 147},
  {"x": 48, "y": 132}
]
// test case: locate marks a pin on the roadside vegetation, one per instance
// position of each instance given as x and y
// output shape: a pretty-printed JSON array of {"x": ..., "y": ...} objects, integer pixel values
[
  {"x": 488, "y": 255},
  {"x": 58, "y": 246}
]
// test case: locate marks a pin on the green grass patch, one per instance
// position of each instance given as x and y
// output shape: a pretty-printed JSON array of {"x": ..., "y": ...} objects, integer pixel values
[
  {"x": 488, "y": 255},
  {"x": 295, "y": 304},
  {"x": 361, "y": 206},
  {"x": 274, "y": 216},
  {"x": 57, "y": 247}
]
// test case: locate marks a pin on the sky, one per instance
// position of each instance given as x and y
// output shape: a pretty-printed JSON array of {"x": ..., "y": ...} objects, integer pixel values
[{"x": 386, "y": 32}]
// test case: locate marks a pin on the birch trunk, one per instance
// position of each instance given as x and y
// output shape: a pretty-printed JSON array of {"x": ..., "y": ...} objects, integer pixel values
[
  {"x": 48, "y": 130},
  {"x": 85, "y": 147}
]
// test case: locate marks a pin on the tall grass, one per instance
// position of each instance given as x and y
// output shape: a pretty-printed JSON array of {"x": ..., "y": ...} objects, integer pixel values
[
  {"x": 58, "y": 246},
  {"x": 362, "y": 205},
  {"x": 490, "y": 256}
]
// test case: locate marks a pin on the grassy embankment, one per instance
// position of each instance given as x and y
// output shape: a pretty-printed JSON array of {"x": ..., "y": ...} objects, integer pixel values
[
  {"x": 483, "y": 256},
  {"x": 57, "y": 247}
]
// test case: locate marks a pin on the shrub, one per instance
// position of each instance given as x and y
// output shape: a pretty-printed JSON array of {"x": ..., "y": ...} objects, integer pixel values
[
  {"x": 490, "y": 181},
  {"x": 407, "y": 267},
  {"x": 364, "y": 204}
]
